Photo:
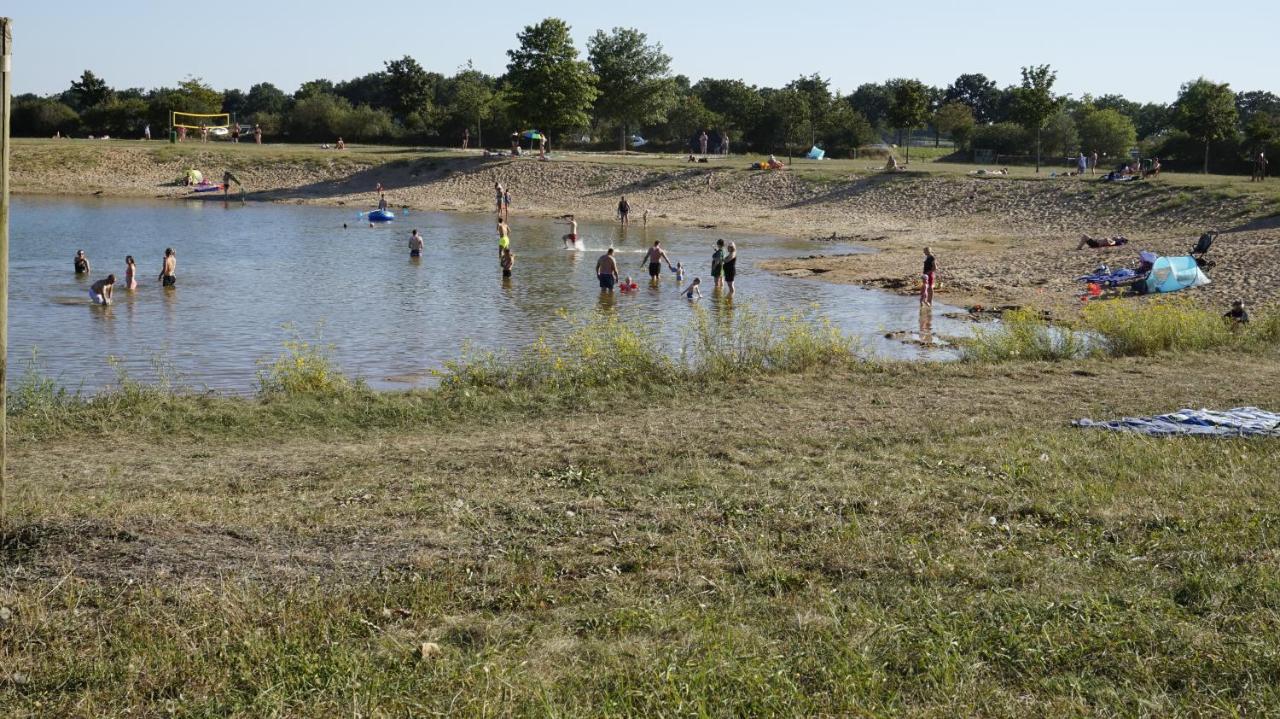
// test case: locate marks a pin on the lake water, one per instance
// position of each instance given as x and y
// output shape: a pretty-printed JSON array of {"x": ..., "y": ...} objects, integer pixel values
[{"x": 245, "y": 271}]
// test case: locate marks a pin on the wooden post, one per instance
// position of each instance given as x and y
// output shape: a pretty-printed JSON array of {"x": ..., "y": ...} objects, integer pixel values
[{"x": 6, "y": 45}]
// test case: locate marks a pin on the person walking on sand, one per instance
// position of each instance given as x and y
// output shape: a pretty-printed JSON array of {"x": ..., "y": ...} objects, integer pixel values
[
  {"x": 927, "y": 277},
  {"x": 257, "y": 134},
  {"x": 702, "y": 143},
  {"x": 101, "y": 291},
  {"x": 607, "y": 271},
  {"x": 81, "y": 263},
  {"x": 624, "y": 209},
  {"x": 130, "y": 273},
  {"x": 466, "y": 137},
  {"x": 655, "y": 257},
  {"x": 146, "y": 132},
  {"x": 717, "y": 264},
  {"x": 168, "y": 272},
  {"x": 724, "y": 142},
  {"x": 730, "y": 267},
  {"x": 1082, "y": 164},
  {"x": 415, "y": 245},
  {"x": 1093, "y": 163}
]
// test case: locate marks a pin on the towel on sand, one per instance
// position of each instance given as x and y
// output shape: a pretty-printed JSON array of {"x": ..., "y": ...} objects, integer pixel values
[{"x": 1237, "y": 422}]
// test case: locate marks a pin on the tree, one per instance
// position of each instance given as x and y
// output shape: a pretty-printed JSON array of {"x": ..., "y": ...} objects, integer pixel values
[
  {"x": 472, "y": 98},
  {"x": 409, "y": 88},
  {"x": 817, "y": 93},
  {"x": 314, "y": 87},
  {"x": 872, "y": 100},
  {"x": 369, "y": 89},
  {"x": 1107, "y": 132},
  {"x": 1249, "y": 104},
  {"x": 195, "y": 96},
  {"x": 1060, "y": 136},
  {"x": 551, "y": 89},
  {"x": 265, "y": 98},
  {"x": 88, "y": 91},
  {"x": 976, "y": 91},
  {"x": 787, "y": 118},
  {"x": 39, "y": 117},
  {"x": 688, "y": 117},
  {"x": 1153, "y": 118},
  {"x": 1260, "y": 131},
  {"x": 1206, "y": 111},
  {"x": 233, "y": 102},
  {"x": 737, "y": 103},
  {"x": 956, "y": 120},
  {"x": 1034, "y": 102},
  {"x": 633, "y": 79},
  {"x": 909, "y": 108},
  {"x": 844, "y": 129}
]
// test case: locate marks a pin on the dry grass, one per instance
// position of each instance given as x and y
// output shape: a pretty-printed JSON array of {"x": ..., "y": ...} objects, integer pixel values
[{"x": 933, "y": 541}]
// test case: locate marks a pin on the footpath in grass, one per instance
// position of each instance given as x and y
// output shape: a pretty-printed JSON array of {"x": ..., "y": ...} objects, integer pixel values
[{"x": 858, "y": 540}]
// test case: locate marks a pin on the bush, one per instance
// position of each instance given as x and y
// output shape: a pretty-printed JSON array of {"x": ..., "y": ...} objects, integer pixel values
[
  {"x": 305, "y": 367},
  {"x": 1024, "y": 334},
  {"x": 1005, "y": 138},
  {"x": 1129, "y": 329},
  {"x": 754, "y": 341}
]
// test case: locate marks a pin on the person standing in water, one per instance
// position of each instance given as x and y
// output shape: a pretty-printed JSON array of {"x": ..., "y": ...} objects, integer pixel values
[
  {"x": 624, "y": 209},
  {"x": 168, "y": 273},
  {"x": 101, "y": 291},
  {"x": 730, "y": 267},
  {"x": 506, "y": 203},
  {"x": 655, "y": 257},
  {"x": 717, "y": 264},
  {"x": 504, "y": 236},
  {"x": 607, "y": 271},
  {"x": 498, "y": 193},
  {"x": 507, "y": 261},
  {"x": 130, "y": 273},
  {"x": 571, "y": 239},
  {"x": 415, "y": 245},
  {"x": 926, "y": 278},
  {"x": 81, "y": 263}
]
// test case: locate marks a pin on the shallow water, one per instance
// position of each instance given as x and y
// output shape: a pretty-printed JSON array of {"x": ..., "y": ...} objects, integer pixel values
[{"x": 245, "y": 271}]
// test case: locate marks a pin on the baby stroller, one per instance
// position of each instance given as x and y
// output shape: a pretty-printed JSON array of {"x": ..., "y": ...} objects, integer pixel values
[{"x": 1202, "y": 248}]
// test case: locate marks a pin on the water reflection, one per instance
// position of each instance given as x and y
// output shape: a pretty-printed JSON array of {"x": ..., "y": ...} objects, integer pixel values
[{"x": 926, "y": 324}]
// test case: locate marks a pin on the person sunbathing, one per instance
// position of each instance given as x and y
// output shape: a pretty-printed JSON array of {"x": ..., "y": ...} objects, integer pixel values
[{"x": 1098, "y": 242}]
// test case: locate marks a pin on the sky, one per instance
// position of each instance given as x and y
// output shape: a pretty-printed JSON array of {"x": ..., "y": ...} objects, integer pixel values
[{"x": 1140, "y": 49}]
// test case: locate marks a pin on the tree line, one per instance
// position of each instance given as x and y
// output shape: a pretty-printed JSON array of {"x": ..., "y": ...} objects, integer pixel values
[{"x": 624, "y": 86}]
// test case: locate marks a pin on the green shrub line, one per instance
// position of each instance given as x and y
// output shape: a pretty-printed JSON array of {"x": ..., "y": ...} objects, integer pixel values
[{"x": 1119, "y": 329}]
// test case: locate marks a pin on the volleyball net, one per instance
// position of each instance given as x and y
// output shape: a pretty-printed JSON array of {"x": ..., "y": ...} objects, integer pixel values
[{"x": 197, "y": 121}]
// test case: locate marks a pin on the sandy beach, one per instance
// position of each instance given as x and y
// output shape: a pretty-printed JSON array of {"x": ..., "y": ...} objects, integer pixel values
[{"x": 1000, "y": 241}]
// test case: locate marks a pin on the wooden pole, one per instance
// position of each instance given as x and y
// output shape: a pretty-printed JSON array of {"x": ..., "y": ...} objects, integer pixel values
[{"x": 6, "y": 45}]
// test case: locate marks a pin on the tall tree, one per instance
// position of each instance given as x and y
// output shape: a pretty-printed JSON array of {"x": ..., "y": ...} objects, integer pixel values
[
  {"x": 978, "y": 92},
  {"x": 633, "y": 78},
  {"x": 88, "y": 91},
  {"x": 955, "y": 119},
  {"x": 1107, "y": 132},
  {"x": 551, "y": 89},
  {"x": 787, "y": 118},
  {"x": 1034, "y": 102},
  {"x": 873, "y": 101},
  {"x": 1253, "y": 102},
  {"x": 1206, "y": 111},
  {"x": 738, "y": 104},
  {"x": 409, "y": 88},
  {"x": 265, "y": 97},
  {"x": 473, "y": 98},
  {"x": 817, "y": 94},
  {"x": 909, "y": 108}
]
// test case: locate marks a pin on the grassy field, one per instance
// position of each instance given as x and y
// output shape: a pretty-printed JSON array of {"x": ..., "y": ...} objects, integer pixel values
[{"x": 856, "y": 538}]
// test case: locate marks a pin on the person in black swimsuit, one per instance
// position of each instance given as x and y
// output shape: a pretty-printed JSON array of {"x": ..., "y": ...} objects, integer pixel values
[
  {"x": 624, "y": 209},
  {"x": 655, "y": 257},
  {"x": 168, "y": 273},
  {"x": 81, "y": 263},
  {"x": 730, "y": 266},
  {"x": 717, "y": 263}
]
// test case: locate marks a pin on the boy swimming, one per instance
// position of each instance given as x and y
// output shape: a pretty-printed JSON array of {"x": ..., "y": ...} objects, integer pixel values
[{"x": 694, "y": 290}]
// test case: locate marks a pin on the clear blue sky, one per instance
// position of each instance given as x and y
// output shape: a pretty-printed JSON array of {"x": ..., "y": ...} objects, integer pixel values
[{"x": 1143, "y": 50}]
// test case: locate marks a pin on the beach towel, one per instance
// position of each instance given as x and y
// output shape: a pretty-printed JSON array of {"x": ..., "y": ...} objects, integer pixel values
[
  {"x": 1110, "y": 278},
  {"x": 1237, "y": 422}
]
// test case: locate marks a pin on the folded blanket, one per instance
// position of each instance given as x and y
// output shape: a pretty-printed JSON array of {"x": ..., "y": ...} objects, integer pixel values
[
  {"x": 1238, "y": 422},
  {"x": 1110, "y": 278}
]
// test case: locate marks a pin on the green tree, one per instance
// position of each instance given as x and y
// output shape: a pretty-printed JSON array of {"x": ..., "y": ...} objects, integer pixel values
[
  {"x": 1152, "y": 119},
  {"x": 909, "y": 108},
  {"x": 472, "y": 99},
  {"x": 1260, "y": 131},
  {"x": 410, "y": 88},
  {"x": 738, "y": 104},
  {"x": 976, "y": 91},
  {"x": 1060, "y": 136},
  {"x": 633, "y": 78},
  {"x": 817, "y": 93},
  {"x": 1107, "y": 132},
  {"x": 872, "y": 100},
  {"x": 551, "y": 89},
  {"x": 844, "y": 129},
  {"x": 786, "y": 118},
  {"x": 41, "y": 117},
  {"x": 320, "y": 117},
  {"x": 195, "y": 96},
  {"x": 1033, "y": 103},
  {"x": 314, "y": 87},
  {"x": 121, "y": 118},
  {"x": 88, "y": 91},
  {"x": 265, "y": 98},
  {"x": 1206, "y": 111},
  {"x": 955, "y": 119}
]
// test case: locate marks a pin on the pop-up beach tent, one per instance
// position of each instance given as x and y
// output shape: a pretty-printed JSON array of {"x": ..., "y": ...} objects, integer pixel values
[
  {"x": 1170, "y": 274},
  {"x": 816, "y": 153}
]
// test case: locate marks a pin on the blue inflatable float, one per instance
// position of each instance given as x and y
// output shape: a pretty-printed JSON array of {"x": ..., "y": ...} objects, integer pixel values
[{"x": 381, "y": 216}]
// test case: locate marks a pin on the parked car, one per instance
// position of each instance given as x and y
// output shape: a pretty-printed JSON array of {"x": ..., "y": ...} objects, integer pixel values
[{"x": 637, "y": 141}]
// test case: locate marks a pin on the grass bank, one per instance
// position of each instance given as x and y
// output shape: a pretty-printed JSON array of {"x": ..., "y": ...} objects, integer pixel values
[{"x": 830, "y": 537}]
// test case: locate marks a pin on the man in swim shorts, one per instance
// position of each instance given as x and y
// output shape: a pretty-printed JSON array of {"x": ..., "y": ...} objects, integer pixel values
[
  {"x": 504, "y": 237},
  {"x": 607, "y": 271},
  {"x": 415, "y": 244},
  {"x": 655, "y": 257},
  {"x": 571, "y": 239},
  {"x": 100, "y": 292},
  {"x": 168, "y": 273},
  {"x": 624, "y": 209}
]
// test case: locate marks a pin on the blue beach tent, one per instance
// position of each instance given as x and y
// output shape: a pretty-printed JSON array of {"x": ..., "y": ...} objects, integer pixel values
[
  {"x": 816, "y": 153},
  {"x": 1170, "y": 274}
]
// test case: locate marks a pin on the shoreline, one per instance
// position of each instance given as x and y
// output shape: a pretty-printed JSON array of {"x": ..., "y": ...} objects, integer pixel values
[{"x": 999, "y": 241}]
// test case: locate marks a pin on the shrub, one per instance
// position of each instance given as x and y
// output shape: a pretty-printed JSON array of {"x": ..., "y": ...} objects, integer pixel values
[
  {"x": 754, "y": 341},
  {"x": 1024, "y": 334},
  {"x": 1161, "y": 325},
  {"x": 305, "y": 367}
]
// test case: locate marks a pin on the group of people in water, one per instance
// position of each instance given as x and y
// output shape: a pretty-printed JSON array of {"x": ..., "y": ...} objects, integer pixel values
[{"x": 102, "y": 292}]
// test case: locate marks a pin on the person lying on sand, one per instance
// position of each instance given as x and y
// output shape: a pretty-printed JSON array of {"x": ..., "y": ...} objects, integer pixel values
[
  {"x": 1001, "y": 171},
  {"x": 1098, "y": 242}
]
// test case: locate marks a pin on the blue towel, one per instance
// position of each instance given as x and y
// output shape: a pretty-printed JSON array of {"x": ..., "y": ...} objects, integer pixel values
[
  {"x": 1110, "y": 278},
  {"x": 1238, "y": 422}
]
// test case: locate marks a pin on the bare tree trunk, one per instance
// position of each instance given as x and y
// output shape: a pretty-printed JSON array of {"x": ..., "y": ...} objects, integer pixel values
[
  {"x": 1037, "y": 150},
  {"x": 1206, "y": 157}
]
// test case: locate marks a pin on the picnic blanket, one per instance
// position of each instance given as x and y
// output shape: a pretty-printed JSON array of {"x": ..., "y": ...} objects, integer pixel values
[
  {"x": 1237, "y": 422},
  {"x": 1108, "y": 277}
]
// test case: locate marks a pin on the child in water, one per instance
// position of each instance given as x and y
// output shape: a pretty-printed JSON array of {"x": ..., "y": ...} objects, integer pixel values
[
  {"x": 130, "y": 273},
  {"x": 679, "y": 269},
  {"x": 694, "y": 290},
  {"x": 628, "y": 285},
  {"x": 508, "y": 261}
]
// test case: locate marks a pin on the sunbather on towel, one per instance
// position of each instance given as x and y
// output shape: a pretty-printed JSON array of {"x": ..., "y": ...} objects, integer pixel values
[{"x": 1097, "y": 242}]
